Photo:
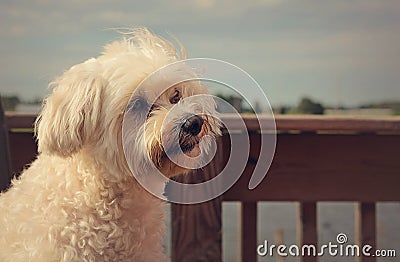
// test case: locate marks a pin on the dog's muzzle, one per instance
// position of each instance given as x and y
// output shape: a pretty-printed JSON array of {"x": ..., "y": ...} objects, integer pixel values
[
  {"x": 190, "y": 130},
  {"x": 193, "y": 125}
]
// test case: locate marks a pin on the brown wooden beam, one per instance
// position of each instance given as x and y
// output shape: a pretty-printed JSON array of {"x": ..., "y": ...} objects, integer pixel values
[
  {"x": 249, "y": 231},
  {"x": 307, "y": 229},
  {"x": 197, "y": 229},
  {"x": 5, "y": 169},
  {"x": 196, "y": 232},
  {"x": 23, "y": 150},
  {"x": 283, "y": 122},
  {"x": 354, "y": 124},
  {"x": 365, "y": 229},
  {"x": 20, "y": 120}
]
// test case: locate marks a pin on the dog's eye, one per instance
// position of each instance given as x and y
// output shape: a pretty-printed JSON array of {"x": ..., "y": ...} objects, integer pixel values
[
  {"x": 175, "y": 99},
  {"x": 152, "y": 108}
]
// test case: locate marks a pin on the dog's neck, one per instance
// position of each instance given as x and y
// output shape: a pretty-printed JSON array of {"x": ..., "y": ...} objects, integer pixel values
[
  {"x": 153, "y": 183},
  {"x": 120, "y": 176}
]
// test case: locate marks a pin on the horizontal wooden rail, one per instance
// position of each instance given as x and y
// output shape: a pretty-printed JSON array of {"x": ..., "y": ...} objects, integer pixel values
[
  {"x": 283, "y": 122},
  {"x": 19, "y": 120},
  {"x": 308, "y": 123}
]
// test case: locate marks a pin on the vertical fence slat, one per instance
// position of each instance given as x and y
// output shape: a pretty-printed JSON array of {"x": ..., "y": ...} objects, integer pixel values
[
  {"x": 307, "y": 228},
  {"x": 5, "y": 170},
  {"x": 249, "y": 231},
  {"x": 365, "y": 227},
  {"x": 196, "y": 232},
  {"x": 197, "y": 229}
]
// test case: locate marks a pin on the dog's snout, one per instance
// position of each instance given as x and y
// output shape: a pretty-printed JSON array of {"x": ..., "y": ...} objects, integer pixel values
[{"x": 193, "y": 125}]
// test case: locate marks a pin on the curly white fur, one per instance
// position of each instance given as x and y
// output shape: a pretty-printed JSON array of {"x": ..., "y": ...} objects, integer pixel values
[{"x": 78, "y": 201}]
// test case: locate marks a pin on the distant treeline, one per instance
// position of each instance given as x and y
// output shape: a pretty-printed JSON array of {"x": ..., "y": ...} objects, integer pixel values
[
  {"x": 306, "y": 105},
  {"x": 11, "y": 102},
  {"x": 309, "y": 106},
  {"x": 393, "y": 105}
]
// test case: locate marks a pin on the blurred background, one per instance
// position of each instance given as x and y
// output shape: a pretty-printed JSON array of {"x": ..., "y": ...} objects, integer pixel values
[
  {"x": 331, "y": 57},
  {"x": 316, "y": 57}
]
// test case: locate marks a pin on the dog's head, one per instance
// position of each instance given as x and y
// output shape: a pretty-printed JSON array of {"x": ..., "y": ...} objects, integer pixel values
[
  {"x": 169, "y": 126},
  {"x": 86, "y": 110}
]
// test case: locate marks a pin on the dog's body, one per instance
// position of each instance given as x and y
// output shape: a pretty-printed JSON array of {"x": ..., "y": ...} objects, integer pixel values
[
  {"x": 78, "y": 201},
  {"x": 64, "y": 209}
]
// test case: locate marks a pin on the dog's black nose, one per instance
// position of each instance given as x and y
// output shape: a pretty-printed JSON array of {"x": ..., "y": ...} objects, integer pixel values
[{"x": 193, "y": 125}]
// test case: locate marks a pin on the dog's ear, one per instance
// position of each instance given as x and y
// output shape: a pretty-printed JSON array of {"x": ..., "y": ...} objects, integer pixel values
[{"x": 70, "y": 116}]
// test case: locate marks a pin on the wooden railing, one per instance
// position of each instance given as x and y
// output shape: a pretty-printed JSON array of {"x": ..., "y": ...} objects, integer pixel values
[{"x": 317, "y": 159}]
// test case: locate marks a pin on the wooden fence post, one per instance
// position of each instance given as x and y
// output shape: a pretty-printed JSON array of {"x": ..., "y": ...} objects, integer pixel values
[
  {"x": 307, "y": 228},
  {"x": 197, "y": 228},
  {"x": 249, "y": 231},
  {"x": 5, "y": 170},
  {"x": 365, "y": 227}
]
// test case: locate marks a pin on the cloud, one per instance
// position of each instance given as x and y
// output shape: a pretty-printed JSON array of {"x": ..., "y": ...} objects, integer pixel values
[
  {"x": 357, "y": 40},
  {"x": 346, "y": 50},
  {"x": 71, "y": 17}
]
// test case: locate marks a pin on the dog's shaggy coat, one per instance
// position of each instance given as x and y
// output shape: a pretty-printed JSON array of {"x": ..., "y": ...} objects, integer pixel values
[{"x": 78, "y": 201}]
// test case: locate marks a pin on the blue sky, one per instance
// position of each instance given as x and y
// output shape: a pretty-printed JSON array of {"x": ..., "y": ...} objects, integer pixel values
[{"x": 338, "y": 52}]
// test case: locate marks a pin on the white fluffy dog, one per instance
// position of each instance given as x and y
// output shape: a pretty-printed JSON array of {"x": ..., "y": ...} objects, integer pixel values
[{"x": 78, "y": 201}]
